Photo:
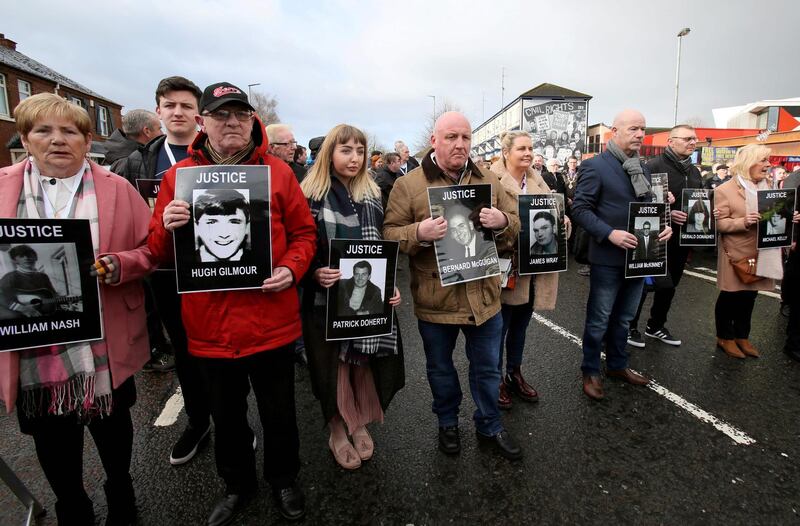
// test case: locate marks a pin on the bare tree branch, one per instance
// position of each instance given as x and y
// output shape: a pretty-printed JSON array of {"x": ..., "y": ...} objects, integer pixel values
[
  {"x": 424, "y": 138},
  {"x": 266, "y": 106}
]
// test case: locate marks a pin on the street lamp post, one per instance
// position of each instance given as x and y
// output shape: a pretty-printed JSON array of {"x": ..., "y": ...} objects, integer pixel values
[
  {"x": 249, "y": 95},
  {"x": 683, "y": 32},
  {"x": 434, "y": 105}
]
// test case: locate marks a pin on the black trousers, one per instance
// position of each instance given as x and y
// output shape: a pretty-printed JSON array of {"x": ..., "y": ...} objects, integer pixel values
[
  {"x": 790, "y": 288},
  {"x": 662, "y": 298},
  {"x": 59, "y": 448},
  {"x": 189, "y": 370},
  {"x": 733, "y": 312},
  {"x": 271, "y": 373}
]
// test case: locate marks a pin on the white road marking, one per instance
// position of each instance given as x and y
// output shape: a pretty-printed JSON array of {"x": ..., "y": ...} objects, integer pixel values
[
  {"x": 169, "y": 415},
  {"x": 714, "y": 280},
  {"x": 739, "y": 437}
]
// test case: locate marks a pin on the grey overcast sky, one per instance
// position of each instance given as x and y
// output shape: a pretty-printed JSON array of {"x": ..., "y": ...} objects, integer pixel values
[{"x": 374, "y": 64}]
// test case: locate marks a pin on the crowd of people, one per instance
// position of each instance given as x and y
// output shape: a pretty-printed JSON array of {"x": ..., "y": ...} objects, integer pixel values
[{"x": 223, "y": 342}]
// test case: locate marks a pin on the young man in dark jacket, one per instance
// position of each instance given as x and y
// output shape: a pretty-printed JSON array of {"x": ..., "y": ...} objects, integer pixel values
[
  {"x": 387, "y": 175},
  {"x": 676, "y": 162}
]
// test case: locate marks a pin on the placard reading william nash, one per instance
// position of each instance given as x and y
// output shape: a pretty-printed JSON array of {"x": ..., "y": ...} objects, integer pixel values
[
  {"x": 467, "y": 252},
  {"x": 649, "y": 258},
  {"x": 226, "y": 244},
  {"x": 542, "y": 241},
  {"x": 700, "y": 228},
  {"x": 776, "y": 208},
  {"x": 148, "y": 189},
  {"x": 358, "y": 304},
  {"x": 47, "y": 295}
]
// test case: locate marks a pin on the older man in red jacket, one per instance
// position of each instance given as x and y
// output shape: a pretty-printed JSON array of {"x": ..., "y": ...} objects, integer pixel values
[{"x": 246, "y": 337}]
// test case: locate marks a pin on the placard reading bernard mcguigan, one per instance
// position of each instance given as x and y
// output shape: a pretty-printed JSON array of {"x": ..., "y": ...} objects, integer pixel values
[
  {"x": 47, "y": 295},
  {"x": 226, "y": 245},
  {"x": 467, "y": 252},
  {"x": 358, "y": 304}
]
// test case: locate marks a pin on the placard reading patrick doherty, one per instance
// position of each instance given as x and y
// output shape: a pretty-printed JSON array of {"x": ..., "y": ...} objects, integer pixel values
[
  {"x": 47, "y": 295},
  {"x": 226, "y": 245}
]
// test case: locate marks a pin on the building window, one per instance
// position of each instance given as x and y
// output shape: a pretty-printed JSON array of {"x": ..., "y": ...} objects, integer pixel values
[
  {"x": 24, "y": 88},
  {"x": 102, "y": 121},
  {"x": 76, "y": 101},
  {"x": 3, "y": 97}
]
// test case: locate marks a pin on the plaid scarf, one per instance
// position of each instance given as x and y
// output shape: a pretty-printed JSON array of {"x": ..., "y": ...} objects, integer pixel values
[
  {"x": 338, "y": 218},
  {"x": 61, "y": 379},
  {"x": 236, "y": 158}
]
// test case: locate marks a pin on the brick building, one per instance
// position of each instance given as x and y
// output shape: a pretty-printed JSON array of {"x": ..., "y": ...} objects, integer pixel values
[{"x": 22, "y": 76}]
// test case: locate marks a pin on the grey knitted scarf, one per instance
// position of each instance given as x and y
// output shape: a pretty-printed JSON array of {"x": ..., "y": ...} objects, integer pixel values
[
  {"x": 684, "y": 164},
  {"x": 633, "y": 167}
]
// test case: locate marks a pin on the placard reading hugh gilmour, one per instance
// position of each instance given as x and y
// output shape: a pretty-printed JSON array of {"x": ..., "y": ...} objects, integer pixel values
[
  {"x": 47, "y": 295},
  {"x": 543, "y": 239},
  {"x": 467, "y": 252},
  {"x": 226, "y": 245},
  {"x": 358, "y": 304}
]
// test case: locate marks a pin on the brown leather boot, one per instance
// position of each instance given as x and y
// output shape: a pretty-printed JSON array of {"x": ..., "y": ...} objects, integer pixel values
[
  {"x": 518, "y": 385},
  {"x": 747, "y": 347},
  {"x": 730, "y": 348},
  {"x": 504, "y": 400}
]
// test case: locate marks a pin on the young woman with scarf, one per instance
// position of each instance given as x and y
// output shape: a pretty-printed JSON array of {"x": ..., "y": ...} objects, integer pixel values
[
  {"x": 354, "y": 380},
  {"x": 59, "y": 390}
]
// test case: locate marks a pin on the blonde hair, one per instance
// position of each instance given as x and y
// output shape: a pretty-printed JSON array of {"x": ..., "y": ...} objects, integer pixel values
[
  {"x": 746, "y": 157},
  {"x": 45, "y": 105},
  {"x": 317, "y": 182},
  {"x": 507, "y": 139}
]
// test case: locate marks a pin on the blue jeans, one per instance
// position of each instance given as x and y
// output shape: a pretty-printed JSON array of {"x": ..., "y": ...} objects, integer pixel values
[
  {"x": 482, "y": 348},
  {"x": 516, "y": 319},
  {"x": 612, "y": 304}
]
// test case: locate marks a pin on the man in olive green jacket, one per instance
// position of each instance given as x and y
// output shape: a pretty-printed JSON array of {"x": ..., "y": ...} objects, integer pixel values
[{"x": 472, "y": 307}]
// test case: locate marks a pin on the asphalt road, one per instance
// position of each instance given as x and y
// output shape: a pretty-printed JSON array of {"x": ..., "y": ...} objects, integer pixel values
[{"x": 713, "y": 443}]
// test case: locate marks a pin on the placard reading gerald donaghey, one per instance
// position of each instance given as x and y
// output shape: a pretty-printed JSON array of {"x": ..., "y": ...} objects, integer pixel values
[
  {"x": 467, "y": 252},
  {"x": 226, "y": 245},
  {"x": 700, "y": 228},
  {"x": 542, "y": 241},
  {"x": 47, "y": 295},
  {"x": 649, "y": 258},
  {"x": 776, "y": 208},
  {"x": 358, "y": 304}
]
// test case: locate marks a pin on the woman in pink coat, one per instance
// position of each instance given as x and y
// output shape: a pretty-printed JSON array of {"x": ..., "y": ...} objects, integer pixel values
[{"x": 59, "y": 390}]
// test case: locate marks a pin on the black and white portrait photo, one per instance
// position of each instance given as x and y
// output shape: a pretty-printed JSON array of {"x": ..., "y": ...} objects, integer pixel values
[
  {"x": 38, "y": 280},
  {"x": 47, "y": 293},
  {"x": 699, "y": 216},
  {"x": 361, "y": 290},
  {"x": 227, "y": 243},
  {"x": 646, "y": 238},
  {"x": 544, "y": 232},
  {"x": 221, "y": 224}
]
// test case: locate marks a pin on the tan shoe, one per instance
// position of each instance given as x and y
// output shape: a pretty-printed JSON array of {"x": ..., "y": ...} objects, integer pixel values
[
  {"x": 362, "y": 441},
  {"x": 346, "y": 455},
  {"x": 747, "y": 347},
  {"x": 730, "y": 348}
]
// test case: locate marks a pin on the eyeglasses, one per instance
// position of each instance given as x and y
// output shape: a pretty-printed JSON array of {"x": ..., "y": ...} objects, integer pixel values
[
  {"x": 687, "y": 139},
  {"x": 290, "y": 143},
  {"x": 224, "y": 115}
]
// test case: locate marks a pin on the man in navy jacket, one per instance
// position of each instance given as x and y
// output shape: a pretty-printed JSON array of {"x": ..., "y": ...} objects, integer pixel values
[{"x": 606, "y": 184}]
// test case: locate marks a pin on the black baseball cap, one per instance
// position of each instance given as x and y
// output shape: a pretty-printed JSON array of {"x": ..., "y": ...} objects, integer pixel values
[{"x": 220, "y": 93}]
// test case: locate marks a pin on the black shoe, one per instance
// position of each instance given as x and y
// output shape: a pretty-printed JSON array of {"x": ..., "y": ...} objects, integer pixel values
[
  {"x": 121, "y": 500},
  {"x": 662, "y": 334},
  {"x": 227, "y": 508},
  {"x": 160, "y": 362},
  {"x": 635, "y": 338},
  {"x": 449, "y": 440},
  {"x": 503, "y": 444},
  {"x": 187, "y": 445},
  {"x": 291, "y": 502}
]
